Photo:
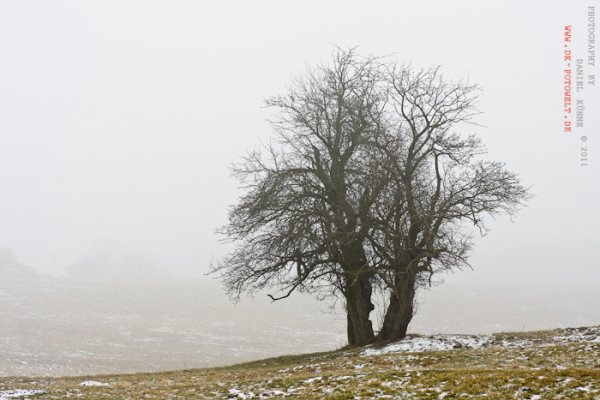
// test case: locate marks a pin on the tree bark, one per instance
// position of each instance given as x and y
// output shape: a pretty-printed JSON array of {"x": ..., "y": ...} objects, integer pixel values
[
  {"x": 400, "y": 310},
  {"x": 359, "y": 306},
  {"x": 357, "y": 293}
]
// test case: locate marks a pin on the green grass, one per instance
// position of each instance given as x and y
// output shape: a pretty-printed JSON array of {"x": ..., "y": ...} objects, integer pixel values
[{"x": 559, "y": 371}]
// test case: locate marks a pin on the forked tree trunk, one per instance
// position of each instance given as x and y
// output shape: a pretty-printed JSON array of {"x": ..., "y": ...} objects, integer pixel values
[
  {"x": 400, "y": 311},
  {"x": 357, "y": 293},
  {"x": 359, "y": 307}
]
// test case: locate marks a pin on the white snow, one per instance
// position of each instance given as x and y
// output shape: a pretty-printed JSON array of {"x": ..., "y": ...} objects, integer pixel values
[
  {"x": 11, "y": 394},
  {"x": 432, "y": 343},
  {"x": 93, "y": 383},
  {"x": 311, "y": 380},
  {"x": 241, "y": 395},
  {"x": 235, "y": 393},
  {"x": 414, "y": 344}
]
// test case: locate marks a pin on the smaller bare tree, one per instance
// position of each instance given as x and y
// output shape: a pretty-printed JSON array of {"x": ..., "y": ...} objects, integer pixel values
[{"x": 438, "y": 189}]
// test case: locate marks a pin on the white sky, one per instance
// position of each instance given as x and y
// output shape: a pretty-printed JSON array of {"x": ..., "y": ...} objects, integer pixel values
[{"x": 118, "y": 118}]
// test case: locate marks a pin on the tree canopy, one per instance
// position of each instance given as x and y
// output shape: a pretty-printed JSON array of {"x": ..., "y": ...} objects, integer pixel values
[{"x": 364, "y": 186}]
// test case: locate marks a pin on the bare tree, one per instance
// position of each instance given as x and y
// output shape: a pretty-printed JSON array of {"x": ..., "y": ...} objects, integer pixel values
[
  {"x": 437, "y": 189},
  {"x": 10, "y": 265},
  {"x": 107, "y": 260},
  {"x": 364, "y": 185},
  {"x": 299, "y": 224}
]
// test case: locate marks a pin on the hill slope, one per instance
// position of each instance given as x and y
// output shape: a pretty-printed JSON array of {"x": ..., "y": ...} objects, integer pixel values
[{"x": 558, "y": 364}]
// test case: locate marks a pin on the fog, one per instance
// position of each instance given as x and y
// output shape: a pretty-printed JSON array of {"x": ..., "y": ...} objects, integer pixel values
[{"x": 118, "y": 121}]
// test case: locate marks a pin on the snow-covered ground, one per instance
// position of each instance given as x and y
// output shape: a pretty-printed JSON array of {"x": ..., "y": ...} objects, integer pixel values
[
  {"x": 57, "y": 328},
  {"x": 413, "y": 344},
  {"x": 18, "y": 393}
]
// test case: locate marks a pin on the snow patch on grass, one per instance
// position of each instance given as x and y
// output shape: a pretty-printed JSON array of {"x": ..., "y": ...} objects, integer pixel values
[
  {"x": 432, "y": 343},
  {"x": 93, "y": 383},
  {"x": 11, "y": 394},
  {"x": 412, "y": 344},
  {"x": 315, "y": 379}
]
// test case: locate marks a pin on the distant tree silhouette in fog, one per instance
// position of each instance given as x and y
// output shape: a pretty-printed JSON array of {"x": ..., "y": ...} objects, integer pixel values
[
  {"x": 109, "y": 261},
  {"x": 11, "y": 266}
]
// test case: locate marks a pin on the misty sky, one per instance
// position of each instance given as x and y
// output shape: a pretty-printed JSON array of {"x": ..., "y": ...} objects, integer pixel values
[{"x": 118, "y": 119}]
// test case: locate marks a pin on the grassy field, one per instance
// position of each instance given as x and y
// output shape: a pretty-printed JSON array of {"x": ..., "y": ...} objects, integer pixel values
[{"x": 558, "y": 364}]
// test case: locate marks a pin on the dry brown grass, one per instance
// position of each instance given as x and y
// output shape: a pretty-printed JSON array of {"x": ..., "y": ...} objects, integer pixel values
[{"x": 548, "y": 371}]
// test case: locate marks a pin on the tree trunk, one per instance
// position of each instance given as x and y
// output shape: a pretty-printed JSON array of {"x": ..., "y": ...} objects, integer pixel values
[
  {"x": 400, "y": 310},
  {"x": 358, "y": 307}
]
